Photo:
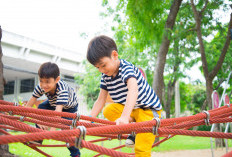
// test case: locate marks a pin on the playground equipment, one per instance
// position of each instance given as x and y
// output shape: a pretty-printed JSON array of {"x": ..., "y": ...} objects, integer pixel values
[
  {"x": 226, "y": 102},
  {"x": 217, "y": 104},
  {"x": 13, "y": 116}
]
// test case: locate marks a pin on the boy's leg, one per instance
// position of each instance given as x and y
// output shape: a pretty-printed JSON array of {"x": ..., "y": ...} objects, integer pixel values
[
  {"x": 74, "y": 152},
  {"x": 113, "y": 111},
  {"x": 144, "y": 141},
  {"x": 45, "y": 105}
]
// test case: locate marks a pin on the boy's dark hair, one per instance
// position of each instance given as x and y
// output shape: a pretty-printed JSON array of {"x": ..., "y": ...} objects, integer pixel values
[
  {"x": 99, "y": 47},
  {"x": 49, "y": 70}
]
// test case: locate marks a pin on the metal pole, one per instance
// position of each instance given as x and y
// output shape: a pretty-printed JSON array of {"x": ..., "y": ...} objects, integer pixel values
[
  {"x": 226, "y": 131},
  {"x": 177, "y": 99}
]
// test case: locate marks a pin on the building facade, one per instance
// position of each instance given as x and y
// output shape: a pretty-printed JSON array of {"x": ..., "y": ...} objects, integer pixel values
[{"x": 22, "y": 57}]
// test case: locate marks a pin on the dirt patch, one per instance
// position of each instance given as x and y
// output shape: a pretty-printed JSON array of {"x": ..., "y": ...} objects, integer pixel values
[{"x": 192, "y": 153}]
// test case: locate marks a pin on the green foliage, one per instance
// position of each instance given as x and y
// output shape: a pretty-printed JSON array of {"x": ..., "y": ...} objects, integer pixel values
[
  {"x": 183, "y": 40},
  {"x": 214, "y": 49},
  {"x": 198, "y": 99},
  {"x": 89, "y": 83},
  {"x": 138, "y": 31},
  {"x": 186, "y": 95},
  {"x": 204, "y": 128},
  {"x": 146, "y": 19},
  {"x": 139, "y": 26},
  {"x": 216, "y": 46},
  {"x": 191, "y": 98},
  {"x": 214, "y": 32},
  {"x": 214, "y": 36},
  {"x": 138, "y": 37}
]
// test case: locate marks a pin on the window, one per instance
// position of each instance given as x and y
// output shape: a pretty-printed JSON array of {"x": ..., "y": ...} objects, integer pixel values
[
  {"x": 27, "y": 85},
  {"x": 9, "y": 88},
  {"x": 68, "y": 78}
]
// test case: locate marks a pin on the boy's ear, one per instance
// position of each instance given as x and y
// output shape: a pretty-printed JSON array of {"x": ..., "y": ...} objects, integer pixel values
[
  {"x": 114, "y": 54},
  {"x": 57, "y": 79}
]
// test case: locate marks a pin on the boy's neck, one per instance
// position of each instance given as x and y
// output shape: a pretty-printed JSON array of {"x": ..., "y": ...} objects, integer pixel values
[
  {"x": 118, "y": 65},
  {"x": 52, "y": 92}
]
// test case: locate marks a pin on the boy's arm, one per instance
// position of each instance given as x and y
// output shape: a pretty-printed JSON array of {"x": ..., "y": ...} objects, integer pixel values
[
  {"x": 99, "y": 103},
  {"x": 59, "y": 108},
  {"x": 132, "y": 96},
  {"x": 31, "y": 102}
]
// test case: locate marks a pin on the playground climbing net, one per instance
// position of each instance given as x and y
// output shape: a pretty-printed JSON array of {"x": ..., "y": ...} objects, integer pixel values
[{"x": 73, "y": 132}]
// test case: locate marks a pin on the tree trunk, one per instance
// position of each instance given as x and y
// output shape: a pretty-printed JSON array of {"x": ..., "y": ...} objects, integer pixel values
[
  {"x": 158, "y": 85},
  {"x": 170, "y": 93},
  {"x": 4, "y": 149},
  {"x": 209, "y": 91}
]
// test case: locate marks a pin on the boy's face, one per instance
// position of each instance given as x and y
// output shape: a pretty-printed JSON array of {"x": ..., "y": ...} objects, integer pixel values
[
  {"x": 48, "y": 84},
  {"x": 109, "y": 65}
]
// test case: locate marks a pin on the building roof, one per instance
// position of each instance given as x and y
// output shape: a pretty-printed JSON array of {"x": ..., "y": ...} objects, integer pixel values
[{"x": 22, "y": 57}]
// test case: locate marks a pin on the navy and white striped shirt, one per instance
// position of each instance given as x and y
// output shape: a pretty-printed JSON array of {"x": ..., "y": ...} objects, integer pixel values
[
  {"x": 64, "y": 95},
  {"x": 117, "y": 87}
]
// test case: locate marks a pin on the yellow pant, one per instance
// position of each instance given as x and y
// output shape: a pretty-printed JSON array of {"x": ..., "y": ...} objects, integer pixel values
[{"x": 143, "y": 141}]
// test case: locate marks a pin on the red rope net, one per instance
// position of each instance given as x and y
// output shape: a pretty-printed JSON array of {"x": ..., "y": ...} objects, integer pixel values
[{"x": 13, "y": 117}]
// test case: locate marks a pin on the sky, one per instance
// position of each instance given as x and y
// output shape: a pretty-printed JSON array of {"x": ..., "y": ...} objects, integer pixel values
[{"x": 58, "y": 22}]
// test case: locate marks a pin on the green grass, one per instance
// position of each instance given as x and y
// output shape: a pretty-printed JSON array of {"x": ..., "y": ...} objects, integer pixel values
[
  {"x": 25, "y": 151},
  {"x": 175, "y": 143},
  {"x": 185, "y": 143}
]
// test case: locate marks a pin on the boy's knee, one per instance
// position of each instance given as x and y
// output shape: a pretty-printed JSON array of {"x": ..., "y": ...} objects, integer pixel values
[
  {"x": 112, "y": 111},
  {"x": 108, "y": 111},
  {"x": 105, "y": 111}
]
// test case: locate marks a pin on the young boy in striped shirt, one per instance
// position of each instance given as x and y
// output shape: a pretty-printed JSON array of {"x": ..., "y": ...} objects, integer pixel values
[
  {"x": 61, "y": 97},
  {"x": 134, "y": 99}
]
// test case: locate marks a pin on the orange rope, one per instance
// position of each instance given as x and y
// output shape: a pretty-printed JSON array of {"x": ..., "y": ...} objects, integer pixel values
[{"x": 102, "y": 128}]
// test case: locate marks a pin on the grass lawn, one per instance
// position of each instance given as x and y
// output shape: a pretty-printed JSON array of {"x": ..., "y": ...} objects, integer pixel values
[
  {"x": 25, "y": 151},
  {"x": 185, "y": 143},
  {"x": 175, "y": 143}
]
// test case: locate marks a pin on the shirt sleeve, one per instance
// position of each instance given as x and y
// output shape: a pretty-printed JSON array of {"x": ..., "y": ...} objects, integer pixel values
[
  {"x": 103, "y": 83},
  {"x": 38, "y": 92},
  {"x": 62, "y": 97},
  {"x": 127, "y": 72}
]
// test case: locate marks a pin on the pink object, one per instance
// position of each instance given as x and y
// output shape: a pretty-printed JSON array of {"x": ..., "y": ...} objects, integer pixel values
[
  {"x": 215, "y": 99},
  {"x": 226, "y": 100},
  {"x": 143, "y": 73}
]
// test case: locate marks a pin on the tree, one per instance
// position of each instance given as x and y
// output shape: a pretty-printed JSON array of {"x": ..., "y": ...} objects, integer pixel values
[
  {"x": 209, "y": 74},
  {"x": 146, "y": 36},
  {"x": 158, "y": 81},
  {"x": 145, "y": 31},
  {"x": 215, "y": 46},
  {"x": 4, "y": 149},
  {"x": 89, "y": 83}
]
